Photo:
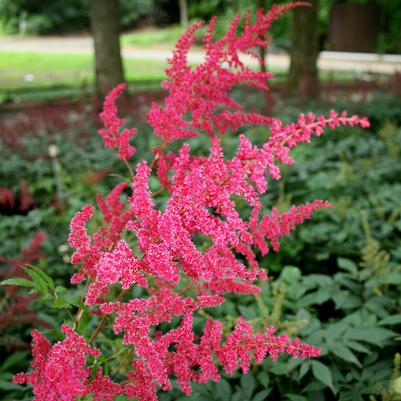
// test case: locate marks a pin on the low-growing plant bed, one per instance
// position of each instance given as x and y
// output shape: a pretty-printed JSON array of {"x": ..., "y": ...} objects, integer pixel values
[{"x": 174, "y": 258}]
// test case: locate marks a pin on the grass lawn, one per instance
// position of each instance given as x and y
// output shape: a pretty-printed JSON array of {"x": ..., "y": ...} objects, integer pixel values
[
  {"x": 34, "y": 76},
  {"x": 38, "y": 76},
  {"x": 36, "y": 69},
  {"x": 153, "y": 37}
]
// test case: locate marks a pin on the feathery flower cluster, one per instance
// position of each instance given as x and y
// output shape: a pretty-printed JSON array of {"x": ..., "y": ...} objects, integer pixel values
[
  {"x": 60, "y": 370},
  {"x": 110, "y": 133},
  {"x": 202, "y": 90},
  {"x": 196, "y": 249}
]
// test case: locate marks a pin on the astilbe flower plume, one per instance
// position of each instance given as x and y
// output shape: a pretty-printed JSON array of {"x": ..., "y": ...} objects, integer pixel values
[
  {"x": 111, "y": 134},
  {"x": 157, "y": 251},
  {"x": 60, "y": 373}
]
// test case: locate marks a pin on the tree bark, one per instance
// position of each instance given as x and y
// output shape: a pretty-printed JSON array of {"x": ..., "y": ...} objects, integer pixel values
[
  {"x": 184, "y": 14},
  {"x": 104, "y": 15},
  {"x": 303, "y": 75},
  {"x": 262, "y": 50}
]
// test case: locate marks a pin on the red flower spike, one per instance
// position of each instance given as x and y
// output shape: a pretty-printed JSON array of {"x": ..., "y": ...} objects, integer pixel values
[
  {"x": 112, "y": 137},
  {"x": 60, "y": 371},
  {"x": 197, "y": 247}
]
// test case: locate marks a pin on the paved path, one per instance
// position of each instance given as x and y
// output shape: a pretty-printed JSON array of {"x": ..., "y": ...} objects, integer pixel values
[{"x": 329, "y": 61}]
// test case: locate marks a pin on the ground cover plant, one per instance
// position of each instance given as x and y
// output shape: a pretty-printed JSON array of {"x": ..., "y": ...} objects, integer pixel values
[
  {"x": 216, "y": 236},
  {"x": 313, "y": 248}
]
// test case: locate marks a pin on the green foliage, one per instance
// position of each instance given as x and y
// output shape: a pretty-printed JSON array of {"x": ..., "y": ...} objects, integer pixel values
[
  {"x": 393, "y": 392},
  {"x": 134, "y": 12},
  {"x": 57, "y": 16},
  {"x": 38, "y": 17},
  {"x": 356, "y": 335},
  {"x": 335, "y": 283},
  {"x": 81, "y": 155}
]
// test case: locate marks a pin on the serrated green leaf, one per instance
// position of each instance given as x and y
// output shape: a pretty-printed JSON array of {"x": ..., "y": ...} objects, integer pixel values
[
  {"x": 238, "y": 396},
  {"x": 372, "y": 335},
  {"x": 347, "y": 264},
  {"x": 291, "y": 274},
  {"x": 393, "y": 278},
  {"x": 76, "y": 302},
  {"x": 14, "y": 359},
  {"x": 285, "y": 367},
  {"x": 22, "y": 282},
  {"x": 304, "y": 369},
  {"x": 357, "y": 347},
  {"x": 248, "y": 385},
  {"x": 60, "y": 290},
  {"x": 336, "y": 330},
  {"x": 344, "y": 353},
  {"x": 247, "y": 312},
  {"x": 296, "y": 397},
  {"x": 49, "y": 281},
  {"x": 46, "y": 297},
  {"x": 40, "y": 283},
  {"x": 262, "y": 395},
  {"x": 264, "y": 379},
  {"x": 61, "y": 303},
  {"x": 322, "y": 373},
  {"x": 5, "y": 385},
  {"x": 390, "y": 320},
  {"x": 223, "y": 390},
  {"x": 83, "y": 323},
  {"x": 317, "y": 297}
]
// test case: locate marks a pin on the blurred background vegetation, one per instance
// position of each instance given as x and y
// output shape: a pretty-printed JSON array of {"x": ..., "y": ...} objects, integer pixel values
[
  {"x": 371, "y": 26},
  {"x": 336, "y": 282},
  {"x": 38, "y": 17}
]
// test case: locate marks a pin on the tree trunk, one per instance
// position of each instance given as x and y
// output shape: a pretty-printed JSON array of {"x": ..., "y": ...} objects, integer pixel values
[
  {"x": 268, "y": 96},
  {"x": 303, "y": 75},
  {"x": 262, "y": 50},
  {"x": 184, "y": 14},
  {"x": 104, "y": 15}
]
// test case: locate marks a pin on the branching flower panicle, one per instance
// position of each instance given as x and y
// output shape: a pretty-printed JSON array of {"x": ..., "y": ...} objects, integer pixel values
[{"x": 188, "y": 255}]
